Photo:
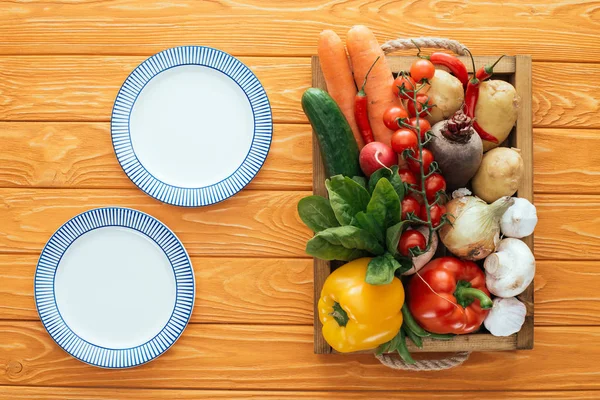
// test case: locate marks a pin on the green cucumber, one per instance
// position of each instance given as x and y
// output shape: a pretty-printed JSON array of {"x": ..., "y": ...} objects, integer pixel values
[{"x": 339, "y": 150}]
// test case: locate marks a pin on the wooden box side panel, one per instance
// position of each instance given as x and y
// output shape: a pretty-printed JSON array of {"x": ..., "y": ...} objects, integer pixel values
[{"x": 518, "y": 71}]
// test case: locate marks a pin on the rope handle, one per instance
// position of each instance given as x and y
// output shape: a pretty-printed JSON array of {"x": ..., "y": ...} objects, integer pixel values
[
  {"x": 424, "y": 42},
  {"x": 395, "y": 362}
]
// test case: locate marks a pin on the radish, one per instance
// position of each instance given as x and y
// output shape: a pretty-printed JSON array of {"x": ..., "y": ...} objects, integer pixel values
[{"x": 376, "y": 155}]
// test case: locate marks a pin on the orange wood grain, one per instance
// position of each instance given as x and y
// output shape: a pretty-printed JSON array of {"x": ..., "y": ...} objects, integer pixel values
[
  {"x": 50, "y": 393},
  {"x": 280, "y": 291},
  {"x": 559, "y": 30},
  {"x": 280, "y": 357},
  {"x": 80, "y": 155},
  {"x": 74, "y": 154},
  {"x": 260, "y": 223},
  {"x": 83, "y": 88}
]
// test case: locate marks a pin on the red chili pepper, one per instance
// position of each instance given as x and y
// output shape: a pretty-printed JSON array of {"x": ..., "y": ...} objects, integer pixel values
[
  {"x": 449, "y": 296},
  {"x": 361, "y": 111},
  {"x": 455, "y": 66},
  {"x": 471, "y": 98},
  {"x": 485, "y": 72}
]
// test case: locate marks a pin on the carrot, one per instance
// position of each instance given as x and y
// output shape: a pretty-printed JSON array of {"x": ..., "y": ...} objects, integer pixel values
[
  {"x": 338, "y": 76},
  {"x": 364, "y": 50}
]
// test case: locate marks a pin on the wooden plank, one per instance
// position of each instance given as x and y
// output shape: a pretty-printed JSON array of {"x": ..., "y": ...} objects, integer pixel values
[
  {"x": 84, "y": 88},
  {"x": 250, "y": 224},
  {"x": 228, "y": 290},
  {"x": 566, "y": 161},
  {"x": 552, "y": 29},
  {"x": 523, "y": 140},
  {"x": 50, "y": 393},
  {"x": 81, "y": 155},
  {"x": 71, "y": 88},
  {"x": 280, "y": 291},
  {"x": 226, "y": 356},
  {"x": 260, "y": 223}
]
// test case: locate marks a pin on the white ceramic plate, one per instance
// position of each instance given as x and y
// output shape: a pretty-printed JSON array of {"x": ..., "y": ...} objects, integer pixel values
[
  {"x": 191, "y": 126},
  {"x": 114, "y": 287}
]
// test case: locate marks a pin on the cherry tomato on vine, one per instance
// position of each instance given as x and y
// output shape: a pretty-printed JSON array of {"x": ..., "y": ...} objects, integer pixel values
[
  {"x": 404, "y": 139},
  {"x": 433, "y": 184},
  {"x": 424, "y": 126},
  {"x": 409, "y": 86},
  {"x": 422, "y": 69},
  {"x": 427, "y": 160},
  {"x": 410, "y": 239},
  {"x": 391, "y": 116},
  {"x": 410, "y": 205},
  {"x": 422, "y": 99},
  {"x": 407, "y": 176},
  {"x": 436, "y": 212}
]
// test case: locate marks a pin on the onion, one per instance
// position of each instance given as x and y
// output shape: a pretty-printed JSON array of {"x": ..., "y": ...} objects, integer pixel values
[{"x": 474, "y": 229}]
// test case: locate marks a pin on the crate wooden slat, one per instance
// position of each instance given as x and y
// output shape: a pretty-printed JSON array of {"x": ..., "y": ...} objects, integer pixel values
[{"x": 516, "y": 70}]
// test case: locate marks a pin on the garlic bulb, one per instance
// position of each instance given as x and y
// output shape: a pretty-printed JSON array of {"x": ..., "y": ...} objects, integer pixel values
[
  {"x": 510, "y": 270},
  {"x": 420, "y": 261},
  {"x": 519, "y": 220},
  {"x": 506, "y": 317},
  {"x": 474, "y": 230}
]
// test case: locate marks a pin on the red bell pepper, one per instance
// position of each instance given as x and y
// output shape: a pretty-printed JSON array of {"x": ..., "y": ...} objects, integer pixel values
[{"x": 451, "y": 297}]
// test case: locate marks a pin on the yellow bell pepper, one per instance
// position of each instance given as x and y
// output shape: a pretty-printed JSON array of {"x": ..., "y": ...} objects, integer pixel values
[{"x": 357, "y": 315}]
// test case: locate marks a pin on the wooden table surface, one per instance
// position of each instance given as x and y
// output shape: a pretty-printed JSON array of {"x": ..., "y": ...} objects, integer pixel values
[{"x": 61, "y": 65}]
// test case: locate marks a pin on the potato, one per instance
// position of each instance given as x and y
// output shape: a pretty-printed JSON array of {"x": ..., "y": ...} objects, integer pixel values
[
  {"x": 447, "y": 93},
  {"x": 496, "y": 110},
  {"x": 499, "y": 174}
]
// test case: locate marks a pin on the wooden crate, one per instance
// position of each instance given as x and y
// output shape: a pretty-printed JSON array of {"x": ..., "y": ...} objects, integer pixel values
[{"x": 517, "y": 71}]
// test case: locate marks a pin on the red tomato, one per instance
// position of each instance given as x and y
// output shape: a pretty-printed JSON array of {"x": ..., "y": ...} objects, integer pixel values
[
  {"x": 391, "y": 116},
  {"x": 404, "y": 139},
  {"x": 410, "y": 205},
  {"x": 409, "y": 86},
  {"x": 422, "y": 69},
  {"x": 410, "y": 239},
  {"x": 435, "y": 211},
  {"x": 407, "y": 176},
  {"x": 433, "y": 184},
  {"x": 424, "y": 126},
  {"x": 421, "y": 100},
  {"x": 427, "y": 160}
]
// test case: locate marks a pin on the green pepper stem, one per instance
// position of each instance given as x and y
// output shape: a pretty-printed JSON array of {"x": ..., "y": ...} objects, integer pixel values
[
  {"x": 465, "y": 295},
  {"x": 339, "y": 314}
]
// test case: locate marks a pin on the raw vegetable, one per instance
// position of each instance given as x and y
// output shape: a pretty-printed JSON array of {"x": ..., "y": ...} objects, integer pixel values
[
  {"x": 422, "y": 105},
  {"x": 422, "y": 125},
  {"x": 403, "y": 86},
  {"x": 446, "y": 92},
  {"x": 404, "y": 139},
  {"x": 519, "y": 220},
  {"x": 410, "y": 205},
  {"x": 511, "y": 269},
  {"x": 415, "y": 166},
  {"x": 457, "y": 149},
  {"x": 338, "y": 76},
  {"x": 487, "y": 71},
  {"x": 449, "y": 296},
  {"x": 361, "y": 111},
  {"x": 392, "y": 116},
  {"x": 356, "y": 315},
  {"x": 496, "y": 110},
  {"x": 474, "y": 229},
  {"x": 420, "y": 261},
  {"x": 407, "y": 176},
  {"x": 411, "y": 239},
  {"x": 499, "y": 174},
  {"x": 506, "y": 317},
  {"x": 471, "y": 99},
  {"x": 434, "y": 184},
  {"x": 437, "y": 211},
  {"x": 316, "y": 213},
  {"x": 339, "y": 150},
  {"x": 364, "y": 49},
  {"x": 456, "y": 67},
  {"x": 376, "y": 155},
  {"x": 422, "y": 70}
]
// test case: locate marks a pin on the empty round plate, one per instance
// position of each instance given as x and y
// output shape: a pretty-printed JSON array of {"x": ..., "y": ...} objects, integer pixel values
[
  {"x": 191, "y": 126},
  {"x": 114, "y": 287}
]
